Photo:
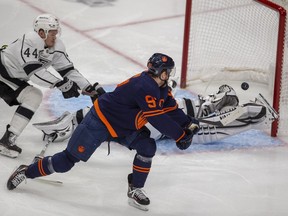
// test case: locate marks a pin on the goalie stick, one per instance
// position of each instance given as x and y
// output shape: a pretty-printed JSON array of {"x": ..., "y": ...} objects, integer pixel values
[{"x": 271, "y": 110}]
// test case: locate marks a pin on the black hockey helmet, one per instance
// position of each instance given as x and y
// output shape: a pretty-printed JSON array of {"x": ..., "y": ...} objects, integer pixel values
[{"x": 159, "y": 62}]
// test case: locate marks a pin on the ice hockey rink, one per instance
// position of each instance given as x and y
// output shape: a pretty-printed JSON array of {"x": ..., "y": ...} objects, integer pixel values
[{"x": 109, "y": 41}]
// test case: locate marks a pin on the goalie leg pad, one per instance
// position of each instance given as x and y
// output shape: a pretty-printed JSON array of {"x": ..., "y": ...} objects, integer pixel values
[{"x": 63, "y": 127}]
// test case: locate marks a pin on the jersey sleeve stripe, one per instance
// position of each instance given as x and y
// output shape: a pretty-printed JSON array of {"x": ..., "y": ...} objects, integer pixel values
[
  {"x": 44, "y": 80},
  {"x": 65, "y": 71},
  {"x": 140, "y": 120},
  {"x": 63, "y": 53},
  {"x": 30, "y": 68},
  {"x": 154, "y": 114},
  {"x": 169, "y": 109},
  {"x": 157, "y": 112},
  {"x": 22, "y": 49}
]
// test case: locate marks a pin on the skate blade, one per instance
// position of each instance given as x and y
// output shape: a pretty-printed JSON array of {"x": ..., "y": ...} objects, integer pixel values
[
  {"x": 134, "y": 204},
  {"x": 9, "y": 153}
]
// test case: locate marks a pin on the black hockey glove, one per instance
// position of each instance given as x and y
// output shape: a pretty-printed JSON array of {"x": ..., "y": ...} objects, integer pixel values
[
  {"x": 190, "y": 131},
  {"x": 186, "y": 141},
  {"x": 68, "y": 88},
  {"x": 94, "y": 91}
]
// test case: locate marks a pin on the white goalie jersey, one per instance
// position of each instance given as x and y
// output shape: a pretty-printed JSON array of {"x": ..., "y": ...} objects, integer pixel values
[{"x": 27, "y": 58}]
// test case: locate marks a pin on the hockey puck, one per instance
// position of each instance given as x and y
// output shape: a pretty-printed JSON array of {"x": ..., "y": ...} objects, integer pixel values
[{"x": 244, "y": 85}]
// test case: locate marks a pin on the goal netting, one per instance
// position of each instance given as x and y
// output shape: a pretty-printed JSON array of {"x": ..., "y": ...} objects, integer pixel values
[{"x": 238, "y": 40}]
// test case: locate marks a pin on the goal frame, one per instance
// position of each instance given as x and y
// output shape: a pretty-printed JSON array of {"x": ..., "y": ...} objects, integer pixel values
[{"x": 279, "y": 53}]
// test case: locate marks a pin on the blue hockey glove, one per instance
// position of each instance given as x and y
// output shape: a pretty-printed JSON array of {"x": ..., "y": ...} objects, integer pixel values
[{"x": 186, "y": 141}]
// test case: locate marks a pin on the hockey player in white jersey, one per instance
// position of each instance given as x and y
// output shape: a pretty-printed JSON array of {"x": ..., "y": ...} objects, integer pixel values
[{"x": 28, "y": 58}]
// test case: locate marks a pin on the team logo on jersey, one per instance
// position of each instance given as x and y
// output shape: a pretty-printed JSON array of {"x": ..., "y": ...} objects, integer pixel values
[
  {"x": 44, "y": 56},
  {"x": 44, "y": 61},
  {"x": 164, "y": 59},
  {"x": 81, "y": 149}
]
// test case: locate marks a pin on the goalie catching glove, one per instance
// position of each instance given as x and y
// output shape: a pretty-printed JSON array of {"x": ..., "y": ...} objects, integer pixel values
[
  {"x": 68, "y": 88},
  {"x": 190, "y": 131}
]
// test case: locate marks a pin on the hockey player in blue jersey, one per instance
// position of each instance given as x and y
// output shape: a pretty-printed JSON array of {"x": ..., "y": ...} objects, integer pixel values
[
  {"x": 121, "y": 116},
  {"x": 212, "y": 111}
]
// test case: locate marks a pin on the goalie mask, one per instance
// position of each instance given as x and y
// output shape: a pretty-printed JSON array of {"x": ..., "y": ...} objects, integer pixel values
[
  {"x": 158, "y": 63},
  {"x": 46, "y": 22}
]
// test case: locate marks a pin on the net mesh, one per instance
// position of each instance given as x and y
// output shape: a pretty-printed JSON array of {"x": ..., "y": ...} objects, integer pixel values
[{"x": 237, "y": 40}]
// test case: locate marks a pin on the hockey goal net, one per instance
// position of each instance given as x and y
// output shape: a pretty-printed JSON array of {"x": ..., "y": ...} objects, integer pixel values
[{"x": 238, "y": 40}]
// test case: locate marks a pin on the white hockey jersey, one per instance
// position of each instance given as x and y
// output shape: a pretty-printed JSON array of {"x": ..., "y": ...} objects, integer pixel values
[{"x": 27, "y": 58}]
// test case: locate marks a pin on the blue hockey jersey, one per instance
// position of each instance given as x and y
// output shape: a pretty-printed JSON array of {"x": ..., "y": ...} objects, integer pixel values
[{"x": 137, "y": 101}]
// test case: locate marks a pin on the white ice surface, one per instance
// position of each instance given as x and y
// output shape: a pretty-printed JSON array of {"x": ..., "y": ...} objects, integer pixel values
[{"x": 246, "y": 175}]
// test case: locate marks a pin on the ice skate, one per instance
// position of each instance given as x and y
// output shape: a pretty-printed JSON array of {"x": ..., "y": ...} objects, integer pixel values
[
  {"x": 8, "y": 145},
  {"x": 137, "y": 196},
  {"x": 17, "y": 177}
]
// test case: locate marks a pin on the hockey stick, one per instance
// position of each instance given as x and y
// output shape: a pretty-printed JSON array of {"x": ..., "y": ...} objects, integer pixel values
[
  {"x": 200, "y": 105},
  {"x": 40, "y": 156},
  {"x": 95, "y": 93}
]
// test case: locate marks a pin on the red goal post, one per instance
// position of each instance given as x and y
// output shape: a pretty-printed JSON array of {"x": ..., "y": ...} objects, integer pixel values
[{"x": 220, "y": 42}]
